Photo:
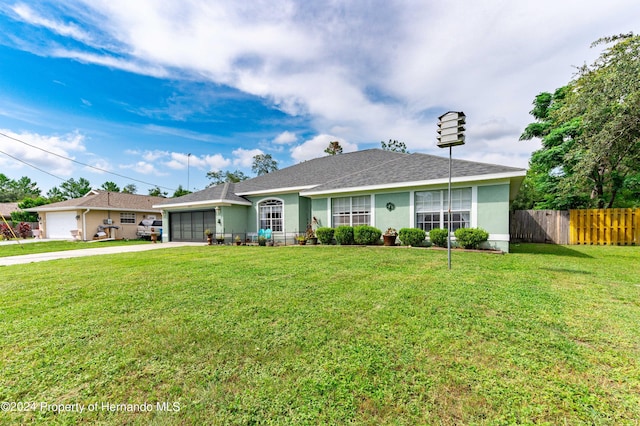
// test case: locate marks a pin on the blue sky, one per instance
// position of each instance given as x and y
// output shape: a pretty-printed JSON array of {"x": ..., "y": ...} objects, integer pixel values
[{"x": 133, "y": 87}]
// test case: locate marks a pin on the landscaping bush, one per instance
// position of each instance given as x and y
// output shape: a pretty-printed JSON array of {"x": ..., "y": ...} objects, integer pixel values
[
  {"x": 5, "y": 231},
  {"x": 366, "y": 235},
  {"x": 471, "y": 238},
  {"x": 412, "y": 236},
  {"x": 438, "y": 237},
  {"x": 325, "y": 235},
  {"x": 344, "y": 235}
]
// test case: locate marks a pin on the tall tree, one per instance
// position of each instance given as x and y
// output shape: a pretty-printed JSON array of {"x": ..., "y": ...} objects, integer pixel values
[
  {"x": 606, "y": 98},
  {"x": 180, "y": 191},
  {"x": 110, "y": 186},
  {"x": 263, "y": 164},
  {"x": 222, "y": 176},
  {"x": 333, "y": 148},
  {"x": 15, "y": 190},
  {"x": 70, "y": 189},
  {"x": 129, "y": 189},
  {"x": 157, "y": 192},
  {"x": 394, "y": 145},
  {"x": 55, "y": 194},
  {"x": 590, "y": 131}
]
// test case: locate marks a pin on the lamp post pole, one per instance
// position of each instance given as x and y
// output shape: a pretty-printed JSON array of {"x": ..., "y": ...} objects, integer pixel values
[
  {"x": 188, "y": 158},
  {"x": 450, "y": 134},
  {"x": 449, "y": 214}
]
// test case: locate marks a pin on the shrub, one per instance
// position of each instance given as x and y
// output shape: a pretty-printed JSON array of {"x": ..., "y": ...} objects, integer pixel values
[
  {"x": 367, "y": 235},
  {"x": 412, "y": 236},
  {"x": 344, "y": 235},
  {"x": 438, "y": 237},
  {"x": 6, "y": 231},
  {"x": 471, "y": 238},
  {"x": 325, "y": 235},
  {"x": 24, "y": 229}
]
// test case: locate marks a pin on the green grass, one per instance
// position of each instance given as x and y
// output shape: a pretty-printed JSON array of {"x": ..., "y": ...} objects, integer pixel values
[
  {"x": 327, "y": 335},
  {"x": 16, "y": 249}
]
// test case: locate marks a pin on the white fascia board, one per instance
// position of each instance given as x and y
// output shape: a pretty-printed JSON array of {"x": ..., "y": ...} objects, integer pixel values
[
  {"x": 277, "y": 190},
  {"x": 205, "y": 203},
  {"x": 400, "y": 185},
  {"x": 45, "y": 209}
]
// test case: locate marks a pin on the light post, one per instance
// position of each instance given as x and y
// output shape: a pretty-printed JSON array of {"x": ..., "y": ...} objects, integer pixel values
[
  {"x": 188, "y": 157},
  {"x": 450, "y": 134}
]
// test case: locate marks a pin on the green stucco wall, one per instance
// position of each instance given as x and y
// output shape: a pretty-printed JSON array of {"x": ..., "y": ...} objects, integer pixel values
[
  {"x": 234, "y": 220},
  {"x": 398, "y": 217},
  {"x": 493, "y": 212},
  {"x": 320, "y": 210}
]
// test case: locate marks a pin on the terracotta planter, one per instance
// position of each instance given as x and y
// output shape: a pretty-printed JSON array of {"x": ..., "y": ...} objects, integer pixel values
[{"x": 389, "y": 240}]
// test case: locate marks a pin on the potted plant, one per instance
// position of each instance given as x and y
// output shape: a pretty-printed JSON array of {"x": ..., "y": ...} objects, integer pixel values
[
  {"x": 389, "y": 237},
  {"x": 238, "y": 240},
  {"x": 311, "y": 236},
  {"x": 262, "y": 241},
  {"x": 301, "y": 239},
  {"x": 209, "y": 234}
]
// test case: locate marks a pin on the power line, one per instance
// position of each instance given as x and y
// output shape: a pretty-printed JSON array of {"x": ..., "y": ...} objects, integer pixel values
[
  {"x": 31, "y": 165},
  {"x": 74, "y": 161}
]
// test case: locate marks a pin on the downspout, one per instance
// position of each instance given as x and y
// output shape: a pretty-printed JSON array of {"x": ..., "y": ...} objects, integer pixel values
[{"x": 84, "y": 225}]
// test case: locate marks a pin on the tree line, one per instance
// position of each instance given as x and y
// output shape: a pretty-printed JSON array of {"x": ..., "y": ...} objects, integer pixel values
[{"x": 590, "y": 133}]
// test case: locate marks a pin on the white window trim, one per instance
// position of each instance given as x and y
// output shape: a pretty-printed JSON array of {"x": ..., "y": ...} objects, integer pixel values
[
  {"x": 283, "y": 214},
  {"x": 128, "y": 223},
  {"x": 473, "y": 210},
  {"x": 351, "y": 197}
]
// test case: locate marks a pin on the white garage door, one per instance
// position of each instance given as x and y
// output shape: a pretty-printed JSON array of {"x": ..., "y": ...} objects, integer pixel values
[{"x": 60, "y": 224}]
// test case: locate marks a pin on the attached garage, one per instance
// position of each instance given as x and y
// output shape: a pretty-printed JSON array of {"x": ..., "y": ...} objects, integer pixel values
[
  {"x": 59, "y": 225},
  {"x": 190, "y": 226}
]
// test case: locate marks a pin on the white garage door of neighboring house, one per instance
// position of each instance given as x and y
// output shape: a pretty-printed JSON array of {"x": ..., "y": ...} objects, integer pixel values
[{"x": 60, "y": 224}]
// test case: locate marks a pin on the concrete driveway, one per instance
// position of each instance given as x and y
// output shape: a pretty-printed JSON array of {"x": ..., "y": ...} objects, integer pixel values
[{"x": 42, "y": 257}]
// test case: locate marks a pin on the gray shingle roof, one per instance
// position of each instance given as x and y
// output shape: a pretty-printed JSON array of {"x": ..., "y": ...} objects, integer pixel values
[
  {"x": 106, "y": 200},
  {"x": 372, "y": 167},
  {"x": 408, "y": 168}
]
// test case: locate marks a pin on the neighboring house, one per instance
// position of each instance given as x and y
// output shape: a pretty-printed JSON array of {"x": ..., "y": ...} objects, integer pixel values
[
  {"x": 373, "y": 187},
  {"x": 114, "y": 213},
  {"x": 6, "y": 209}
]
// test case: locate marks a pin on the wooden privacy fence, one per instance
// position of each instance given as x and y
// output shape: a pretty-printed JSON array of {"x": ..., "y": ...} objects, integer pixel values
[
  {"x": 605, "y": 226},
  {"x": 539, "y": 226},
  {"x": 594, "y": 226}
]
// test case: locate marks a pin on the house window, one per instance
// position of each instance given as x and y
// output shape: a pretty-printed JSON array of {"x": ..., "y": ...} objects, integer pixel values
[
  {"x": 271, "y": 215},
  {"x": 351, "y": 210},
  {"x": 432, "y": 207},
  {"x": 127, "y": 218}
]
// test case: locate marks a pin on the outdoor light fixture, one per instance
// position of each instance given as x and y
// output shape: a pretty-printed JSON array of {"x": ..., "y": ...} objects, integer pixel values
[{"x": 450, "y": 134}]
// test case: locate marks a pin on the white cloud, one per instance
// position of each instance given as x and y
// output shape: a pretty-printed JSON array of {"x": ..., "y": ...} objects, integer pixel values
[
  {"x": 361, "y": 72},
  {"x": 50, "y": 153},
  {"x": 154, "y": 155},
  {"x": 244, "y": 157},
  {"x": 145, "y": 168},
  {"x": 285, "y": 138},
  {"x": 314, "y": 148},
  {"x": 27, "y": 14}
]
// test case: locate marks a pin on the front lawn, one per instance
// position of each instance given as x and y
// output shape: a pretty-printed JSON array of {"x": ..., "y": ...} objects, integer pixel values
[
  {"x": 324, "y": 335},
  {"x": 19, "y": 247}
]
